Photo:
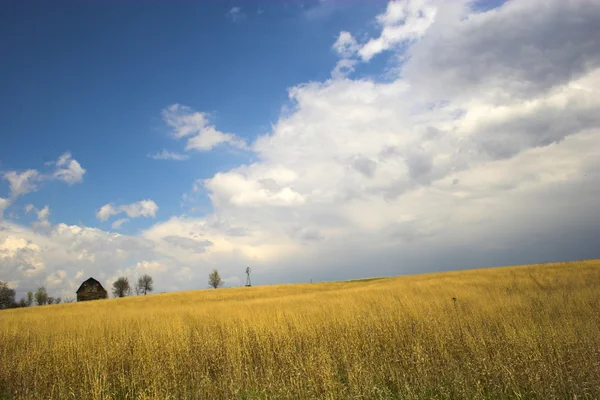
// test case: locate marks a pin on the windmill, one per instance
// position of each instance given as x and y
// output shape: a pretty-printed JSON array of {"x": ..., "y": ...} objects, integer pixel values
[{"x": 248, "y": 283}]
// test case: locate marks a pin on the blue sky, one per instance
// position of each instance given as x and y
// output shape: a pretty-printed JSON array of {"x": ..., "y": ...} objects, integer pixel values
[
  {"x": 96, "y": 76},
  {"x": 318, "y": 140}
]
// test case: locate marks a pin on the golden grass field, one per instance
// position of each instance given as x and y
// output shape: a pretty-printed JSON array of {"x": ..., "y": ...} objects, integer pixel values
[{"x": 530, "y": 332}]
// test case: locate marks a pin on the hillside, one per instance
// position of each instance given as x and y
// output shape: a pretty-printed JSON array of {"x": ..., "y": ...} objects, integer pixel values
[{"x": 527, "y": 331}]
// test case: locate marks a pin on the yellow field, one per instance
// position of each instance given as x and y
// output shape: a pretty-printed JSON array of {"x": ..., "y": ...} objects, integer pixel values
[{"x": 518, "y": 332}]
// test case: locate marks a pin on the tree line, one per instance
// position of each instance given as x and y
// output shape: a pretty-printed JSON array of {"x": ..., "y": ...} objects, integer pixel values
[
  {"x": 120, "y": 288},
  {"x": 145, "y": 284},
  {"x": 40, "y": 297}
]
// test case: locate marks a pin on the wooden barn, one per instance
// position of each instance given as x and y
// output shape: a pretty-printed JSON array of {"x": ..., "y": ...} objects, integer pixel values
[{"x": 91, "y": 290}]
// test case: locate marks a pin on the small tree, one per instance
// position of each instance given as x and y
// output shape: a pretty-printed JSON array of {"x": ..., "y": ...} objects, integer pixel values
[
  {"x": 57, "y": 300},
  {"x": 41, "y": 296},
  {"x": 121, "y": 287},
  {"x": 69, "y": 300},
  {"x": 214, "y": 279},
  {"x": 7, "y": 296},
  {"x": 144, "y": 284},
  {"x": 22, "y": 302},
  {"x": 50, "y": 300},
  {"x": 29, "y": 299}
]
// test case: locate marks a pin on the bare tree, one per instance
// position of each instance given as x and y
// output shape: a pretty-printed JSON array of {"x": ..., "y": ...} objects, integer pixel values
[
  {"x": 41, "y": 296},
  {"x": 29, "y": 299},
  {"x": 7, "y": 296},
  {"x": 68, "y": 300},
  {"x": 57, "y": 300},
  {"x": 144, "y": 285},
  {"x": 50, "y": 300},
  {"x": 214, "y": 279},
  {"x": 121, "y": 287}
]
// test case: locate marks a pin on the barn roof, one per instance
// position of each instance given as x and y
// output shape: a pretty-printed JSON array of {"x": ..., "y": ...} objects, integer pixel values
[{"x": 90, "y": 281}]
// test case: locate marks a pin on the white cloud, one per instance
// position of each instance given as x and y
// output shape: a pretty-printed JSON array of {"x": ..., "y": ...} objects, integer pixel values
[
  {"x": 343, "y": 68},
  {"x": 435, "y": 168},
  {"x": 43, "y": 213},
  {"x": 143, "y": 208},
  {"x": 403, "y": 20},
  {"x": 512, "y": 53},
  {"x": 118, "y": 223},
  {"x": 345, "y": 45},
  {"x": 42, "y": 216},
  {"x": 106, "y": 211},
  {"x": 362, "y": 163},
  {"x": 195, "y": 126},
  {"x": 65, "y": 255},
  {"x": 68, "y": 170},
  {"x": 149, "y": 267},
  {"x": 169, "y": 155},
  {"x": 20, "y": 257},
  {"x": 242, "y": 188},
  {"x": 22, "y": 183},
  {"x": 183, "y": 120},
  {"x": 4, "y": 203},
  {"x": 235, "y": 14}
]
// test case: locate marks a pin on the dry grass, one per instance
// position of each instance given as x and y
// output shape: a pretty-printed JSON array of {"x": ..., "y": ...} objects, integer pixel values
[{"x": 519, "y": 332}]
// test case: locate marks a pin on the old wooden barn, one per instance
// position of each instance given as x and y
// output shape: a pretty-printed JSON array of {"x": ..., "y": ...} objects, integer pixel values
[{"x": 91, "y": 290}]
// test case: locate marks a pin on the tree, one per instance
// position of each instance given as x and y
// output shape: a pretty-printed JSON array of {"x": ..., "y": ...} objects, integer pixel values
[
  {"x": 69, "y": 300},
  {"x": 41, "y": 296},
  {"x": 7, "y": 296},
  {"x": 29, "y": 299},
  {"x": 144, "y": 284},
  {"x": 121, "y": 287},
  {"x": 214, "y": 279},
  {"x": 22, "y": 302},
  {"x": 50, "y": 300},
  {"x": 57, "y": 300}
]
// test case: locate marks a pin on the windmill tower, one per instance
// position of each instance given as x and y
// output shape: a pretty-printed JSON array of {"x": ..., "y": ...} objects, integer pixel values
[{"x": 248, "y": 283}]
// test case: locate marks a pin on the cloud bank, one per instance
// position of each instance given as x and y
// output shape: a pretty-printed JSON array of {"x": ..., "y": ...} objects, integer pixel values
[{"x": 482, "y": 148}]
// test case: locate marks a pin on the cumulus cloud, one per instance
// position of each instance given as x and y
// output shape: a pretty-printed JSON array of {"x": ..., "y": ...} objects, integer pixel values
[
  {"x": 68, "y": 170},
  {"x": 106, "y": 211},
  {"x": 143, "y": 208},
  {"x": 195, "y": 126},
  {"x": 22, "y": 183},
  {"x": 169, "y": 155},
  {"x": 403, "y": 21},
  {"x": 149, "y": 267},
  {"x": 435, "y": 168},
  {"x": 345, "y": 45},
  {"x": 367, "y": 163},
  {"x": 42, "y": 216},
  {"x": 519, "y": 51},
  {"x": 65, "y": 255}
]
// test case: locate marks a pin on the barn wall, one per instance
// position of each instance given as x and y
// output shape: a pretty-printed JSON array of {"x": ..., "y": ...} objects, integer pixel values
[{"x": 85, "y": 296}]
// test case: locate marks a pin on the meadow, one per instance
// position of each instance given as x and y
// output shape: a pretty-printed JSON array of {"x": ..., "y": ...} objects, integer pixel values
[{"x": 528, "y": 332}]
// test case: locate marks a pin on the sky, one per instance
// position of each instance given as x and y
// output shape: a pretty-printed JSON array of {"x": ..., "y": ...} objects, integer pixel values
[{"x": 310, "y": 140}]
